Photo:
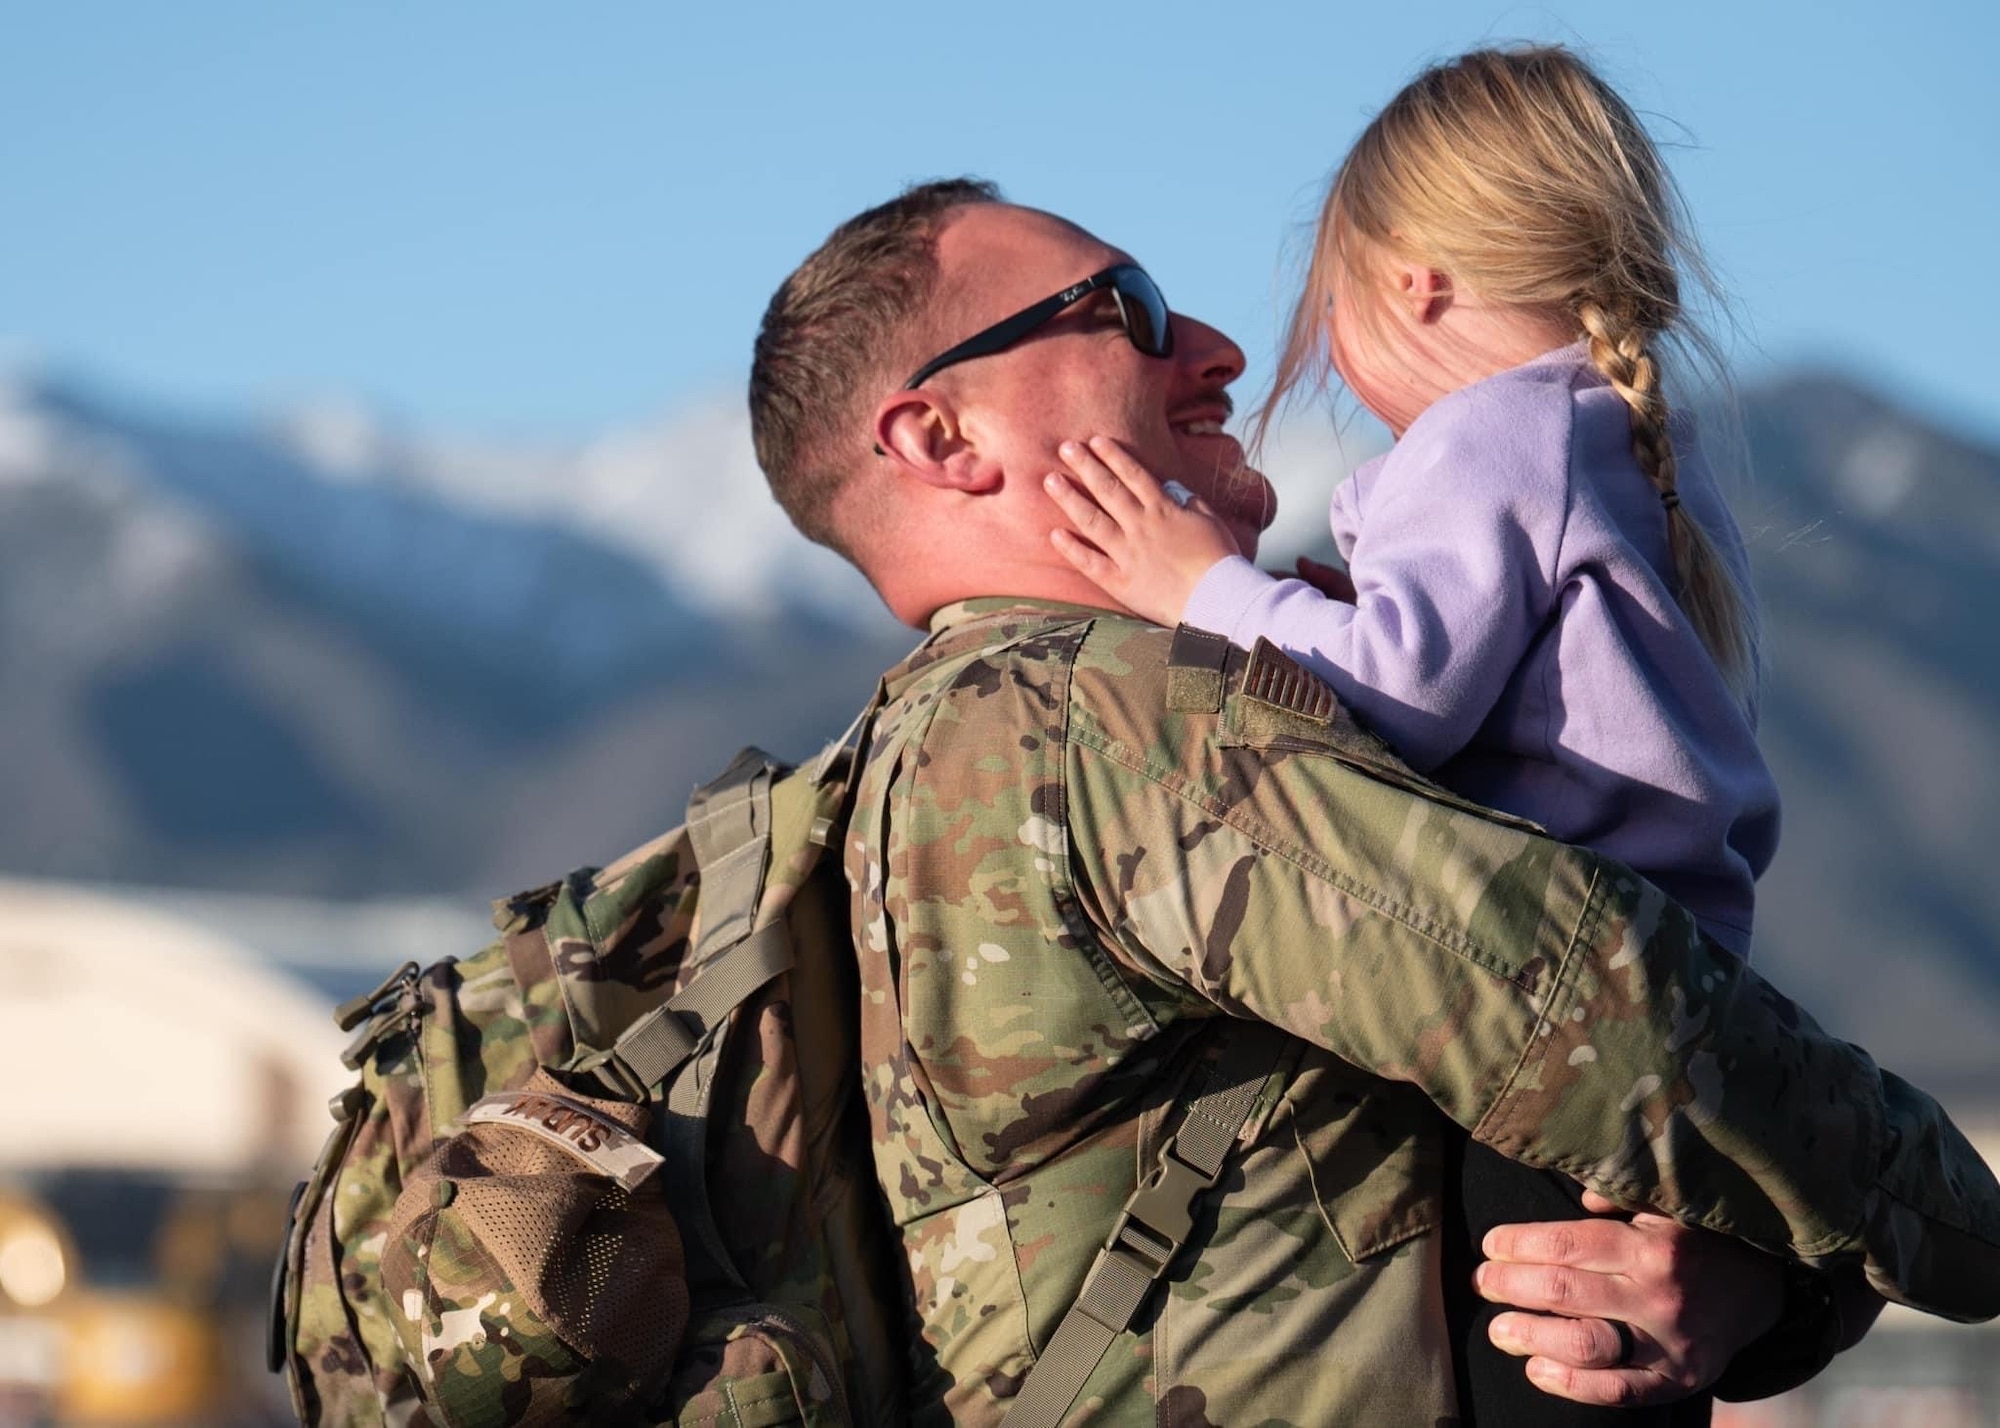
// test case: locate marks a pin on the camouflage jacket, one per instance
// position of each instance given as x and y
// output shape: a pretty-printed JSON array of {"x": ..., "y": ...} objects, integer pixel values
[{"x": 1071, "y": 854}]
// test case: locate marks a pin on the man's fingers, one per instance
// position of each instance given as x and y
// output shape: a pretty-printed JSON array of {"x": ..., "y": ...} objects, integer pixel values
[
  {"x": 1610, "y": 1388},
  {"x": 1107, "y": 487},
  {"x": 1556, "y": 1289},
  {"x": 1580, "y": 1343},
  {"x": 1602, "y": 1246},
  {"x": 1690, "y": 1299}
]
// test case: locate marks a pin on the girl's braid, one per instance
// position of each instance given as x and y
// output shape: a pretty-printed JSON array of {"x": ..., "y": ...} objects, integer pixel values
[{"x": 1622, "y": 349}]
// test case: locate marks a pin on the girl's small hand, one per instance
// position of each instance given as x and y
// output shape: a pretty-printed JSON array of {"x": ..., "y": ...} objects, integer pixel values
[
  {"x": 1131, "y": 538},
  {"x": 1330, "y": 580}
]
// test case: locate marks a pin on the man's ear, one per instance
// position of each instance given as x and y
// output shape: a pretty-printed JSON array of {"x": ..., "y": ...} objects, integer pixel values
[
  {"x": 921, "y": 433},
  {"x": 1426, "y": 293}
]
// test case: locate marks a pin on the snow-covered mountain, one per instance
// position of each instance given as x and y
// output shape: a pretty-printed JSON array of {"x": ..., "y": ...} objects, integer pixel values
[
  {"x": 288, "y": 656},
  {"x": 1876, "y": 538},
  {"x": 682, "y": 496},
  {"x": 325, "y": 654}
]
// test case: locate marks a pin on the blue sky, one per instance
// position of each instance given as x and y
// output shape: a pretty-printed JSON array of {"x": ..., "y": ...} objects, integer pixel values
[{"x": 536, "y": 221}]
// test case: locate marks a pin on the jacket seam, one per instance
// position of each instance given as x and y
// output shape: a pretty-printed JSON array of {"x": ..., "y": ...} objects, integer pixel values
[{"x": 1068, "y": 905}]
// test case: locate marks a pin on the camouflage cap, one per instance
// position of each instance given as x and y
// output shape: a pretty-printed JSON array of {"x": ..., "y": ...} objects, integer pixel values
[{"x": 532, "y": 1266}]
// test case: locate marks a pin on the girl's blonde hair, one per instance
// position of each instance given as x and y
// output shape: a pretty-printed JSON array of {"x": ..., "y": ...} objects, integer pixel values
[{"x": 1525, "y": 178}]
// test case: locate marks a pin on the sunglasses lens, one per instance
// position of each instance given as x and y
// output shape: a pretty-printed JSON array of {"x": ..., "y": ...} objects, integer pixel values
[{"x": 1147, "y": 321}]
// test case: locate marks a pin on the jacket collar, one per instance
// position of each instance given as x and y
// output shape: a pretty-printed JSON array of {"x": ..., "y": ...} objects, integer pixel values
[{"x": 963, "y": 612}]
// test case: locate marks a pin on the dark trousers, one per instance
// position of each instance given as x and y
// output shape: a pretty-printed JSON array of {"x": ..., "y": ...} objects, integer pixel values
[{"x": 1484, "y": 1189}]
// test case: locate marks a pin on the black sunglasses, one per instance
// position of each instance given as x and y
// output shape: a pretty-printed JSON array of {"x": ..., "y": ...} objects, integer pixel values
[{"x": 1148, "y": 323}]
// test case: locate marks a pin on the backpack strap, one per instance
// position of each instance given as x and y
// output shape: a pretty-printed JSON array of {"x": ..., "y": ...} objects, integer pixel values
[
  {"x": 659, "y": 1043},
  {"x": 1153, "y": 1225},
  {"x": 659, "y": 1057},
  {"x": 729, "y": 826}
]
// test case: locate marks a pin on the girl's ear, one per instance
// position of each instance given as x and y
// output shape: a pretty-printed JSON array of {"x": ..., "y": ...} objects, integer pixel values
[
  {"x": 920, "y": 433},
  {"x": 1426, "y": 292}
]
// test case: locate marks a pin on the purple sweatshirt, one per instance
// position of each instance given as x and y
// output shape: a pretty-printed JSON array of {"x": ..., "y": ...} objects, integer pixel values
[{"x": 1516, "y": 637}]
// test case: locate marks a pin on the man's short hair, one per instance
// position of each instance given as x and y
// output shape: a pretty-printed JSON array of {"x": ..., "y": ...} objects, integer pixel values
[{"x": 832, "y": 335}]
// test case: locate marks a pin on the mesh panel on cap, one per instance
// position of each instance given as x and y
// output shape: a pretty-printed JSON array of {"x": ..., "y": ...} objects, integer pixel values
[{"x": 603, "y": 1268}]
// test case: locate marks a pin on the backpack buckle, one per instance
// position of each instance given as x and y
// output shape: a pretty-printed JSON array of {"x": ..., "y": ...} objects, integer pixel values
[
  {"x": 1157, "y": 1220},
  {"x": 350, "y": 1014},
  {"x": 611, "y": 1072},
  {"x": 377, "y": 1016}
]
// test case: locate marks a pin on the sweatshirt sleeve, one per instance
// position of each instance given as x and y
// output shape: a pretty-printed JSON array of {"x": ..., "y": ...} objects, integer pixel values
[
  {"x": 1344, "y": 516},
  {"x": 1454, "y": 571}
]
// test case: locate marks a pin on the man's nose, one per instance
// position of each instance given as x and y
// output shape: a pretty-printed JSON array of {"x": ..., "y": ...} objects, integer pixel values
[{"x": 1205, "y": 353}]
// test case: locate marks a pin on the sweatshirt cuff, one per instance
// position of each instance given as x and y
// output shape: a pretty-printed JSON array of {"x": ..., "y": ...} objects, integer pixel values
[{"x": 1222, "y": 597}]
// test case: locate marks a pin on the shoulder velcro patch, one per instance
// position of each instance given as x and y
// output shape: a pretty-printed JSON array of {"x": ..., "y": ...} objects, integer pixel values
[
  {"x": 1276, "y": 679},
  {"x": 1195, "y": 662}
]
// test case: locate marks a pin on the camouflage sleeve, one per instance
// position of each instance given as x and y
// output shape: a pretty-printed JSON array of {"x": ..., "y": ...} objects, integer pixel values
[{"x": 1239, "y": 843}]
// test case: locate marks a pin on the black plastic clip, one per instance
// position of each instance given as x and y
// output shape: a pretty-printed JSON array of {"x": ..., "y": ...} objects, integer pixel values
[{"x": 350, "y": 1014}]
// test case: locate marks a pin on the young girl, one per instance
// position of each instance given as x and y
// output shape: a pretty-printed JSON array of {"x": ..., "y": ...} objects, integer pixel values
[{"x": 1549, "y": 608}]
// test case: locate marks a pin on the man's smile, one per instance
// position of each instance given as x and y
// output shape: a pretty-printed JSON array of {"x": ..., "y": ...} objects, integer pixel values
[{"x": 1202, "y": 417}]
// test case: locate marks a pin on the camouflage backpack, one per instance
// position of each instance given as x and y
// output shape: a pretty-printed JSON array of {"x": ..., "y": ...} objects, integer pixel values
[{"x": 513, "y": 1219}]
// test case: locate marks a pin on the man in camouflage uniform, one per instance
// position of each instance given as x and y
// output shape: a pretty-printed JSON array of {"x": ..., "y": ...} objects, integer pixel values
[{"x": 1080, "y": 844}]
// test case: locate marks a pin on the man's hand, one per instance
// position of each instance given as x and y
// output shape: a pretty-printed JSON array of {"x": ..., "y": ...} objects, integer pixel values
[
  {"x": 1691, "y": 1300},
  {"x": 1139, "y": 544}
]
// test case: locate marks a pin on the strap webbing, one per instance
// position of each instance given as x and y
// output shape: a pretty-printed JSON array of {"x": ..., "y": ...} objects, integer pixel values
[
  {"x": 662, "y": 1056},
  {"x": 656, "y": 1045},
  {"x": 1152, "y": 1227},
  {"x": 729, "y": 826}
]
